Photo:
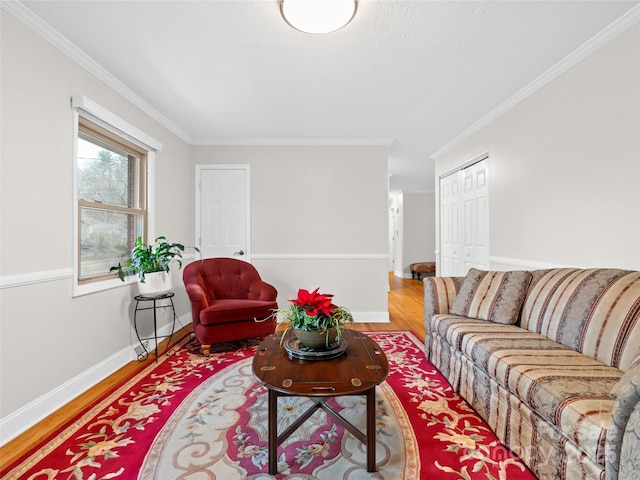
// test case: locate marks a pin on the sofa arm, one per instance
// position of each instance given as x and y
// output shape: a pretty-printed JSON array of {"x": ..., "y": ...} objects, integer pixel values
[
  {"x": 622, "y": 449},
  {"x": 262, "y": 291},
  {"x": 439, "y": 294}
]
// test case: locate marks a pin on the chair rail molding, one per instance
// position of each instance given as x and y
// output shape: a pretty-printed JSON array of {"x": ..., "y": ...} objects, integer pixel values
[
  {"x": 517, "y": 263},
  {"x": 320, "y": 256},
  {"x": 44, "y": 276},
  {"x": 31, "y": 278}
]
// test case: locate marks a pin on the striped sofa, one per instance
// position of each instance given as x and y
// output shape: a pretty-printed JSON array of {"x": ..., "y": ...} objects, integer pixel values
[{"x": 550, "y": 359}]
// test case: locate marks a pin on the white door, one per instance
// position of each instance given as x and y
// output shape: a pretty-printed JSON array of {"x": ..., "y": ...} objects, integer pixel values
[
  {"x": 475, "y": 199},
  {"x": 222, "y": 215},
  {"x": 464, "y": 220},
  {"x": 481, "y": 243},
  {"x": 449, "y": 225}
]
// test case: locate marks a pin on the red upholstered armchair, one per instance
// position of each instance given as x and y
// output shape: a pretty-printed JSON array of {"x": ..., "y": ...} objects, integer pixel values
[{"x": 227, "y": 295}]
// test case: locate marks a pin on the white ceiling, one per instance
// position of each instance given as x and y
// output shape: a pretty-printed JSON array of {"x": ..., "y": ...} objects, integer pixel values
[{"x": 412, "y": 73}]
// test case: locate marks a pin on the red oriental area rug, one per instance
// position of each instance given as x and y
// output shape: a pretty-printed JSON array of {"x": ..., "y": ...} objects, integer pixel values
[{"x": 190, "y": 416}]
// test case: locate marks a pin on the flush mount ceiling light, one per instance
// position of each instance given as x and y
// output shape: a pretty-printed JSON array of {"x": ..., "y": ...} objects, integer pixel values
[{"x": 318, "y": 16}]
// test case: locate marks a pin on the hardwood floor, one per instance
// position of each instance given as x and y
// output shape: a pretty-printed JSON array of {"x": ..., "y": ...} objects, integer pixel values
[
  {"x": 405, "y": 313},
  {"x": 406, "y": 307}
]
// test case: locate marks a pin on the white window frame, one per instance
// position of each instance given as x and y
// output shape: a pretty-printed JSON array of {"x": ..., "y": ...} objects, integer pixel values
[{"x": 86, "y": 108}]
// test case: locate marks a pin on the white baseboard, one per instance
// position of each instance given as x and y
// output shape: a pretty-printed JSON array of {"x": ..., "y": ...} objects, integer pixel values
[
  {"x": 398, "y": 274},
  {"x": 26, "y": 417},
  {"x": 371, "y": 317}
]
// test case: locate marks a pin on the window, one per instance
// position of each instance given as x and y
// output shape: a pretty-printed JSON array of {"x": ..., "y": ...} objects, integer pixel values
[
  {"x": 113, "y": 192},
  {"x": 111, "y": 183}
]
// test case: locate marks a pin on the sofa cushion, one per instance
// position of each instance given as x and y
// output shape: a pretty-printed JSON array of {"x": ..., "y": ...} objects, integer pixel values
[
  {"x": 594, "y": 311},
  {"x": 454, "y": 328},
  {"x": 565, "y": 387},
  {"x": 493, "y": 296}
]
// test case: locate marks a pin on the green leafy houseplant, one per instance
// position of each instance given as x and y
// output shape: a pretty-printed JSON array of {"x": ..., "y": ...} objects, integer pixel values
[
  {"x": 149, "y": 258},
  {"x": 314, "y": 311}
]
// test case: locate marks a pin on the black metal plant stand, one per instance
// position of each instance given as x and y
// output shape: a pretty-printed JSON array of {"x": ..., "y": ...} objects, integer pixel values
[{"x": 142, "y": 356}]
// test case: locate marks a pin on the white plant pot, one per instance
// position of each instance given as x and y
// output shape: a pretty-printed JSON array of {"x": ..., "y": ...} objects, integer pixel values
[{"x": 156, "y": 283}]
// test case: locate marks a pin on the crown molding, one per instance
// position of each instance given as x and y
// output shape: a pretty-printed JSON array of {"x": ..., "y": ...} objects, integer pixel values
[
  {"x": 32, "y": 21},
  {"x": 17, "y": 9},
  {"x": 605, "y": 36},
  {"x": 293, "y": 141}
]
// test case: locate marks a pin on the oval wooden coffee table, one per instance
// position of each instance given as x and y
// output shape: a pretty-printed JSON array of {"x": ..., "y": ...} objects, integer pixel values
[{"x": 356, "y": 372}]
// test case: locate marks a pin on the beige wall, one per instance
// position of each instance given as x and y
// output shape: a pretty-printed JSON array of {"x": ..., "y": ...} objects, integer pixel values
[
  {"x": 318, "y": 219},
  {"x": 564, "y": 166},
  {"x": 413, "y": 218},
  {"x": 48, "y": 338},
  {"x": 564, "y": 175},
  {"x": 419, "y": 228},
  {"x": 329, "y": 203}
]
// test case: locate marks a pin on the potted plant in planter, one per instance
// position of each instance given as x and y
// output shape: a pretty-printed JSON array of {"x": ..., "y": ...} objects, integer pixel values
[
  {"x": 315, "y": 320},
  {"x": 151, "y": 264}
]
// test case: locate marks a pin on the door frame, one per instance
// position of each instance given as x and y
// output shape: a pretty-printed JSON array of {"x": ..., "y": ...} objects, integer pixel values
[{"x": 247, "y": 169}]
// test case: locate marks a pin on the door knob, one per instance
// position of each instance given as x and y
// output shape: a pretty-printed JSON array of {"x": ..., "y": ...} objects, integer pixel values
[{"x": 240, "y": 253}]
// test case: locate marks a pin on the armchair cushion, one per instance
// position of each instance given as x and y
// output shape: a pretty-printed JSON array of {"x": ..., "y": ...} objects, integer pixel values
[{"x": 225, "y": 311}]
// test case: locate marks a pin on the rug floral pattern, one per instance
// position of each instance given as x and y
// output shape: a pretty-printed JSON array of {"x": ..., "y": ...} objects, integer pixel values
[{"x": 190, "y": 416}]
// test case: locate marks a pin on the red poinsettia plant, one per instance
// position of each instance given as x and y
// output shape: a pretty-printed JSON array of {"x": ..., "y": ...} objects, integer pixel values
[
  {"x": 314, "y": 302},
  {"x": 315, "y": 311}
]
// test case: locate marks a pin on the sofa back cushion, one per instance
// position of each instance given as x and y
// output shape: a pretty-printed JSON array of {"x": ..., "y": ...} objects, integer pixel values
[
  {"x": 493, "y": 296},
  {"x": 593, "y": 311}
]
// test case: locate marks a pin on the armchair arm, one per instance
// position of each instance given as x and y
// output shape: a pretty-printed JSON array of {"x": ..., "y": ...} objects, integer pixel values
[
  {"x": 198, "y": 298},
  {"x": 439, "y": 294},
  {"x": 622, "y": 449},
  {"x": 262, "y": 291}
]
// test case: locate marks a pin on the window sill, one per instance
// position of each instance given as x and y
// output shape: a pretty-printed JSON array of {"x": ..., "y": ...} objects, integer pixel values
[{"x": 95, "y": 287}]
